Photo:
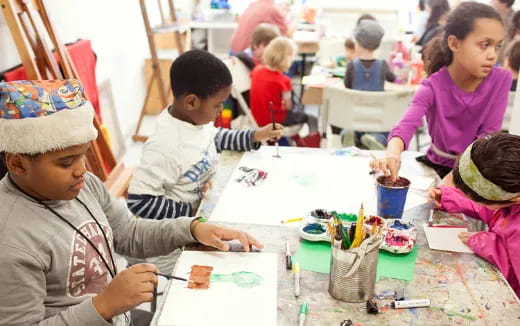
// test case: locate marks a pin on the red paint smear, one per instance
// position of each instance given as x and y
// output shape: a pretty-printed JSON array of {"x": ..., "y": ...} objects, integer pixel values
[{"x": 384, "y": 309}]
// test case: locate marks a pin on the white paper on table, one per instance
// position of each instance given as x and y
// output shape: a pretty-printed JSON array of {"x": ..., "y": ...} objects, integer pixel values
[
  {"x": 224, "y": 303},
  {"x": 295, "y": 184},
  {"x": 299, "y": 182},
  {"x": 443, "y": 238}
]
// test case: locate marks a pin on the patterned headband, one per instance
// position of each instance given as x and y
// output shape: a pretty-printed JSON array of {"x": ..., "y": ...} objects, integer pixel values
[{"x": 475, "y": 180}]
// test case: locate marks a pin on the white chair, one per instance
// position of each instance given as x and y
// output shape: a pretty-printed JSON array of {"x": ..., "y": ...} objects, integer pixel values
[
  {"x": 241, "y": 83},
  {"x": 509, "y": 111},
  {"x": 363, "y": 111},
  {"x": 514, "y": 126}
]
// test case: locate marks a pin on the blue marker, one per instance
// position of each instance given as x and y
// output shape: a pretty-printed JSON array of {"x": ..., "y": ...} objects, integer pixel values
[{"x": 302, "y": 313}]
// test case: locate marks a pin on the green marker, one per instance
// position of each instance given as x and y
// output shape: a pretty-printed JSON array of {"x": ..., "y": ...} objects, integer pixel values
[{"x": 302, "y": 313}]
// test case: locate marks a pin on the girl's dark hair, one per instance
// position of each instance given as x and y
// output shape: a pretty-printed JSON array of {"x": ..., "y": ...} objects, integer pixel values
[
  {"x": 513, "y": 26},
  {"x": 497, "y": 157},
  {"x": 438, "y": 9},
  {"x": 459, "y": 24}
]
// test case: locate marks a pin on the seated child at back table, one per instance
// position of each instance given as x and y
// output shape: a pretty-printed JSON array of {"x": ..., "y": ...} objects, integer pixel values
[{"x": 180, "y": 158}]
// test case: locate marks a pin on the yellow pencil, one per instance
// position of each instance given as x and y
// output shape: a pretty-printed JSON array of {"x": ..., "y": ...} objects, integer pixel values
[
  {"x": 296, "y": 219},
  {"x": 358, "y": 236}
]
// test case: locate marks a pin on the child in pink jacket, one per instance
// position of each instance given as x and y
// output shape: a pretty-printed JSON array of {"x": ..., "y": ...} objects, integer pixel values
[{"x": 487, "y": 177}]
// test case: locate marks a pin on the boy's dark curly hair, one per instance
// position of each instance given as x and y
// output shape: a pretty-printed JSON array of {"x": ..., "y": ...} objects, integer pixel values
[{"x": 198, "y": 72}]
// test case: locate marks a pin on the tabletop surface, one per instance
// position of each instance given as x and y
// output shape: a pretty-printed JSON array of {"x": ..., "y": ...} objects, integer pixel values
[{"x": 463, "y": 288}]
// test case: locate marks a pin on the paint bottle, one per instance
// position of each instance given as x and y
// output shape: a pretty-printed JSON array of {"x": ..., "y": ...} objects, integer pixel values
[{"x": 418, "y": 303}]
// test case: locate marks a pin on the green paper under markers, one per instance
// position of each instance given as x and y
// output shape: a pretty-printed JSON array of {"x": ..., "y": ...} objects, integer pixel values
[
  {"x": 314, "y": 256},
  {"x": 398, "y": 266}
]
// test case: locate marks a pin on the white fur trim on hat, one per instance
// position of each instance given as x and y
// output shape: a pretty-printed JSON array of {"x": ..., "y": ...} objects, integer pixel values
[{"x": 57, "y": 131}]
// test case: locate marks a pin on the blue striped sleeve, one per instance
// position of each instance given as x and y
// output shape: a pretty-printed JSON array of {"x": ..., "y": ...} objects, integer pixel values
[
  {"x": 235, "y": 140},
  {"x": 157, "y": 207}
]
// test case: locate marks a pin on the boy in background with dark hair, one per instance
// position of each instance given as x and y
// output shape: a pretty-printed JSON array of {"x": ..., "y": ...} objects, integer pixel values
[
  {"x": 368, "y": 73},
  {"x": 350, "y": 53},
  {"x": 179, "y": 160},
  {"x": 512, "y": 61}
]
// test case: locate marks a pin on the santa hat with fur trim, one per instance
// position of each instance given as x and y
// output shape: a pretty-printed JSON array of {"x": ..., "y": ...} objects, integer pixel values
[{"x": 43, "y": 116}]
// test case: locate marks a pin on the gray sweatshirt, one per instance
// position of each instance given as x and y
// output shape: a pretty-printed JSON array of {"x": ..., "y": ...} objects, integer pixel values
[{"x": 49, "y": 272}]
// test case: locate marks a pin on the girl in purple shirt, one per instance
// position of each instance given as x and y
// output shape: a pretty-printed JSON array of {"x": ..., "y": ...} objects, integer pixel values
[{"x": 464, "y": 97}]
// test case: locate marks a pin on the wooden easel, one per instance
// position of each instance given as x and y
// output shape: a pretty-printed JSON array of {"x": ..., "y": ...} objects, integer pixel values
[
  {"x": 166, "y": 26},
  {"x": 31, "y": 27}
]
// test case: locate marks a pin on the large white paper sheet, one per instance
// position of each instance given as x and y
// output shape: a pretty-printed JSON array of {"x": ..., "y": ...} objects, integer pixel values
[
  {"x": 224, "y": 303},
  {"x": 297, "y": 183}
]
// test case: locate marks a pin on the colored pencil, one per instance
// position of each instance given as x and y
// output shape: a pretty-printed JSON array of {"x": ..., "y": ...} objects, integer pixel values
[{"x": 358, "y": 238}]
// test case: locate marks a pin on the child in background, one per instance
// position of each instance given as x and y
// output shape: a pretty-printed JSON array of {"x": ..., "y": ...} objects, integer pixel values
[
  {"x": 512, "y": 31},
  {"x": 465, "y": 95},
  {"x": 438, "y": 12},
  {"x": 262, "y": 35},
  {"x": 59, "y": 226},
  {"x": 350, "y": 53},
  {"x": 367, "y": 73},
  {"x": 487, "y": 177},
  {"x": 512, "y": 61},
  {"x": 269, "y": 84},
  {"x": 180, "y": 158}
]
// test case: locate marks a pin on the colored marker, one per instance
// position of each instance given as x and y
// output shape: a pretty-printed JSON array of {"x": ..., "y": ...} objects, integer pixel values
[
  {"x": 410, "y": 303},
  {"x": 302, "y": 314},
  {"x": 291, "y": 220},
  {"x": 288, "y": 259},
  {"x": 296, "y": 267}
]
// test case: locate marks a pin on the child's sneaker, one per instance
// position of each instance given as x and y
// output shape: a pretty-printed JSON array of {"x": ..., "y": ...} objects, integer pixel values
[{"x": 371, "y": 142}]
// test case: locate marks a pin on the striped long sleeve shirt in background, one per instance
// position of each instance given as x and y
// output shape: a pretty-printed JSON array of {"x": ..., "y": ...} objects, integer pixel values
[{"x": 176, "y": 163}]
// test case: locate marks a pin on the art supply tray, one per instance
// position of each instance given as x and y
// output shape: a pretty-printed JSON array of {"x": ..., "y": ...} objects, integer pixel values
[
  {"x": 314, "y": 226},
  {"x": 399, "y": 236}
]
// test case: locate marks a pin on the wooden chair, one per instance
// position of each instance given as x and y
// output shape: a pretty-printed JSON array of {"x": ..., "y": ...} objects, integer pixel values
[{"x": 31, "y": 28}]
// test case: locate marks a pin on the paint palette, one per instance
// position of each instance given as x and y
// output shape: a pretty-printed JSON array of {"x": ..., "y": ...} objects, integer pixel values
[
  {"x": 314, "y": 231},
  {"x": 314, "y": 226},
  {"x": 399, "y": 237}
]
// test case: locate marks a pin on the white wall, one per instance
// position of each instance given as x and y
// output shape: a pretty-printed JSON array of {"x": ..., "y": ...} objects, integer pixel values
[{"x": 117, "y": 33}]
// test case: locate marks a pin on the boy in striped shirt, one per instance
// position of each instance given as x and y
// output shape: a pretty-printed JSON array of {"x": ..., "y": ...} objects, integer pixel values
[{"x": 179, "y": 160}]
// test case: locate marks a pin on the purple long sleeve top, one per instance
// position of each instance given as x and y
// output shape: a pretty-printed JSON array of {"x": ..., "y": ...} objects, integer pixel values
[{"x": 455, "y": 118}]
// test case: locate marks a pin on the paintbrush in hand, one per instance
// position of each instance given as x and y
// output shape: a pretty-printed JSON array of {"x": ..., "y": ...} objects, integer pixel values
[
  {"x": 170, "y": 277},
  {"x": 274, "y": 128}
]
